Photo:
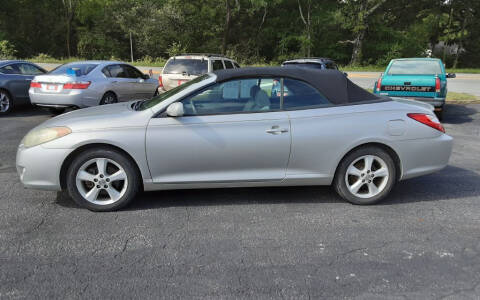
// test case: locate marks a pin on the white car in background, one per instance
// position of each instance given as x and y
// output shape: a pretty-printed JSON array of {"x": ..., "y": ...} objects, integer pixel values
[
  {"x": 183, "y": 68},
  {"x": 90, "y": 83}
]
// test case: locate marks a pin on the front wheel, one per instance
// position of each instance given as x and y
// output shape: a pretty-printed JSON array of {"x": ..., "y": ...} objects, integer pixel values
[
  {"x": 365, "y": 176},
  {"x": 102, "y": 180}
]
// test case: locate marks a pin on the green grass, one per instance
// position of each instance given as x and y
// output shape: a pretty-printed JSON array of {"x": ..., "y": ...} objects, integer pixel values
[{"x": 461, "y": 97}]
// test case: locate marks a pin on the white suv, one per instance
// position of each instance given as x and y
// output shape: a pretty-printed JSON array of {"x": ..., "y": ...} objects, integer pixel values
[{"x": 182, "y": 68}]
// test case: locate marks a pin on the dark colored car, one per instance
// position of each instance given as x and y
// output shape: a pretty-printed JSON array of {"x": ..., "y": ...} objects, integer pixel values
[
  {"x": 15, "y": 77},
  {"x": 320, "y": 63}
]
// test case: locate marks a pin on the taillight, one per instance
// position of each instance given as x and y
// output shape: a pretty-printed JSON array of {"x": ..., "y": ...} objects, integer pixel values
[
  {"x": 379, "y": 83},
  {"x": 160, "y": 82},
  {"x": 437, "y": 85},
  {"x": 76, "y": 85},
  {"x": 428, "y": 120},
  {"x": 34, "y": 84}
]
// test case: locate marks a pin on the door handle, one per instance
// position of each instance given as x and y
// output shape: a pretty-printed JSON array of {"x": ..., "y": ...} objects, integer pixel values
[{"x": 276, "y": 130}]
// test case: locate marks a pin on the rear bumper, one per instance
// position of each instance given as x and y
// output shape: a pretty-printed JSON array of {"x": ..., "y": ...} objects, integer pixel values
[
  {"x": 424, "y": 156},
  {"x": 73, "y": 99}
]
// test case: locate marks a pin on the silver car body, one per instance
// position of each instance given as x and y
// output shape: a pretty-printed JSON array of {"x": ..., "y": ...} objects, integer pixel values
[
  {"x": 53, "y": 94},
  {"x": 234, "y": 150}
]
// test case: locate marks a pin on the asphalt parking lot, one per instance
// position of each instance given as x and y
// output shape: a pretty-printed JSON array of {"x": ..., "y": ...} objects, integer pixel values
[{"x": 301, "y": 242}]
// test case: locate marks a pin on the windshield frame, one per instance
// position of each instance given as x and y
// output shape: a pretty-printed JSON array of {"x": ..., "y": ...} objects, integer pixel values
[{"x": 158, "y": 100}]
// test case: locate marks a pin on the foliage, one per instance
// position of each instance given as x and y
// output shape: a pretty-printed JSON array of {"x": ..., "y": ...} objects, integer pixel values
[
  {"x": 362, "y": 32},
  {"x": 7, "y": 50}
]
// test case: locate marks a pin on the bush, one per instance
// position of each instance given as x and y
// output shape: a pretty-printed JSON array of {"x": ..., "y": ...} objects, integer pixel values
[{"x": 7, "y": 50}]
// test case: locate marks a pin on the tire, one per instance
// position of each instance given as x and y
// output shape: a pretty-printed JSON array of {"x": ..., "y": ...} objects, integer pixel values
[
  {"x": 100, "y": 191},
  {"x": 439, "y": 114},
  {"x": 6, "y": 102},
  {"x": 361, "y": 178},
  {"x": 56, "y": 111},
  {"x": 156, "y": 93},
  {"x": 109, "y": 98}
]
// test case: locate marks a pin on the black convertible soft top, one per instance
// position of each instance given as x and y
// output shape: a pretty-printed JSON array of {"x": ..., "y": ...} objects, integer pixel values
[{"x": 332, "y": 84}]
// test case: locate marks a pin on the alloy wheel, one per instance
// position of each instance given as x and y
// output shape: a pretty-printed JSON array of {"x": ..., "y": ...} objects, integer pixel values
[
  {"x": 367, "y": 176},
  {"x": 101, "y": 181},
  {"x": 4, "y": 102}
]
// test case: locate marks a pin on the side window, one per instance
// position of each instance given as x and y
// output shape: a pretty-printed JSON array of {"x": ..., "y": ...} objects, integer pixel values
[
  {"x": 235, "y": 96},
  {"x": 236, "y": 65},
  {"x": 217, "y": 65},
  {"x": 331, "y": 66},
  {"x": 132, "y": 72},
  {"x": 10, "y": 69},
  {"x": 28, "y": 69},
  {"x": 106, "y": 72},
  {"x": 117, "y": 71},
  {"x": 228, "y": 64},
  {"x": 301, "y": 95}
]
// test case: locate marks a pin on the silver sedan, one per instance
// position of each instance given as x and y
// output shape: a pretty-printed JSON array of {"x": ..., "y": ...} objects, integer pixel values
[
  {"x": 237, "y": 128},
  {"x": 90, "y": 83}
]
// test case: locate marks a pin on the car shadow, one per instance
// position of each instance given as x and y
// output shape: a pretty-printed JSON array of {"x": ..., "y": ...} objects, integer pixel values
[
  {"x": 451, "y": 183},
  {"x": 459, "y": 114},
  {"x": 28, "y": 111}
]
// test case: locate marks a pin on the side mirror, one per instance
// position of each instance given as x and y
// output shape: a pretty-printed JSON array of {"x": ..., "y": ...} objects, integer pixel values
[
  {"x": 175, "y": 109},
  {"x": 345, "y": 73},
  {"x": 451, "y": 75},
  {"x": 145, "y": 76}
]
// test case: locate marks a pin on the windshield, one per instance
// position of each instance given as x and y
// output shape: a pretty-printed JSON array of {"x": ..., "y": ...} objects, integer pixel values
[
  {"x": 160, "y": 98},
  {"x": 74, "y": 69},
  {"x": 414, "y": 67},
  {"x": 189, "y": 66}
]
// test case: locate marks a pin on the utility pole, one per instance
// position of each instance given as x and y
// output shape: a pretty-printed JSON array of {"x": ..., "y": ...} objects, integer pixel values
[{"x": 131, "y": 47}]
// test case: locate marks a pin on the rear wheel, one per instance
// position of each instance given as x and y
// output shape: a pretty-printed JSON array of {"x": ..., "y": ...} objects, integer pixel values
[
  {"x": 102, "y": 180},
  {"x": 365, "y": 176},
  {"x": 6, "y": 103},
  {"x": 108, "y": 98}
]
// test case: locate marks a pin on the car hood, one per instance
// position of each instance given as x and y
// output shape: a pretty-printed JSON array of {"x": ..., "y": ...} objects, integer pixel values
[{"x": 118, "y": 115}]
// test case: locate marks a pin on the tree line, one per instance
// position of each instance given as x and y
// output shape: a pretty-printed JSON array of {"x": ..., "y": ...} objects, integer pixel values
[{"x": 355, "y": 32}]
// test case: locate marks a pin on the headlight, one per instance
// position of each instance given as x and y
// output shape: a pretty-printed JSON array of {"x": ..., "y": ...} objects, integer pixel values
[{"x": 40, "y": 136}]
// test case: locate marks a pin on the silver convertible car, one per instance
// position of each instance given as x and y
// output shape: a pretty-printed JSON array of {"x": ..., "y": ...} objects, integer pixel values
[
  {"x": 90, "y": 83},
  {"x": 237, "y": 128}
]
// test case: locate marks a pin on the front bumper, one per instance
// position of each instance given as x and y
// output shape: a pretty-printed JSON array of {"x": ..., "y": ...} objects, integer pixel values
[
  {"x": 76, "y": 98},
  {"x": 39, "y": 167}
]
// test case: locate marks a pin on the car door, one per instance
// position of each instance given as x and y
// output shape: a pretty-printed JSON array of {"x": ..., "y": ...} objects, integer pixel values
[
  {"x": 221, "y": 138},
  {"x": 142, "y": 88},
  {"x": 120, "y": 82},
  {"x": 19, "y": 76}
]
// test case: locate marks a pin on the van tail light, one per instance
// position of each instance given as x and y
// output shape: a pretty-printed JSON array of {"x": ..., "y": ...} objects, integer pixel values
[
  {"x": 160, "y": 82},
  {"x": 428, "y": 120},
  {"x": 34, "y": 84},
  {"x": 79, "y": 85},
  {"x": 437, "y": 85},
  {"x": 379, "y": 83}
]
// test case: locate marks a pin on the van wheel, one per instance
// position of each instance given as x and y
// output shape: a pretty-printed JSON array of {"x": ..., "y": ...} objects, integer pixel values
[
  {"x": 103, "y": 180},
  {"x": 365, "y": 176},
  {"x": 109, "y": 98}
]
